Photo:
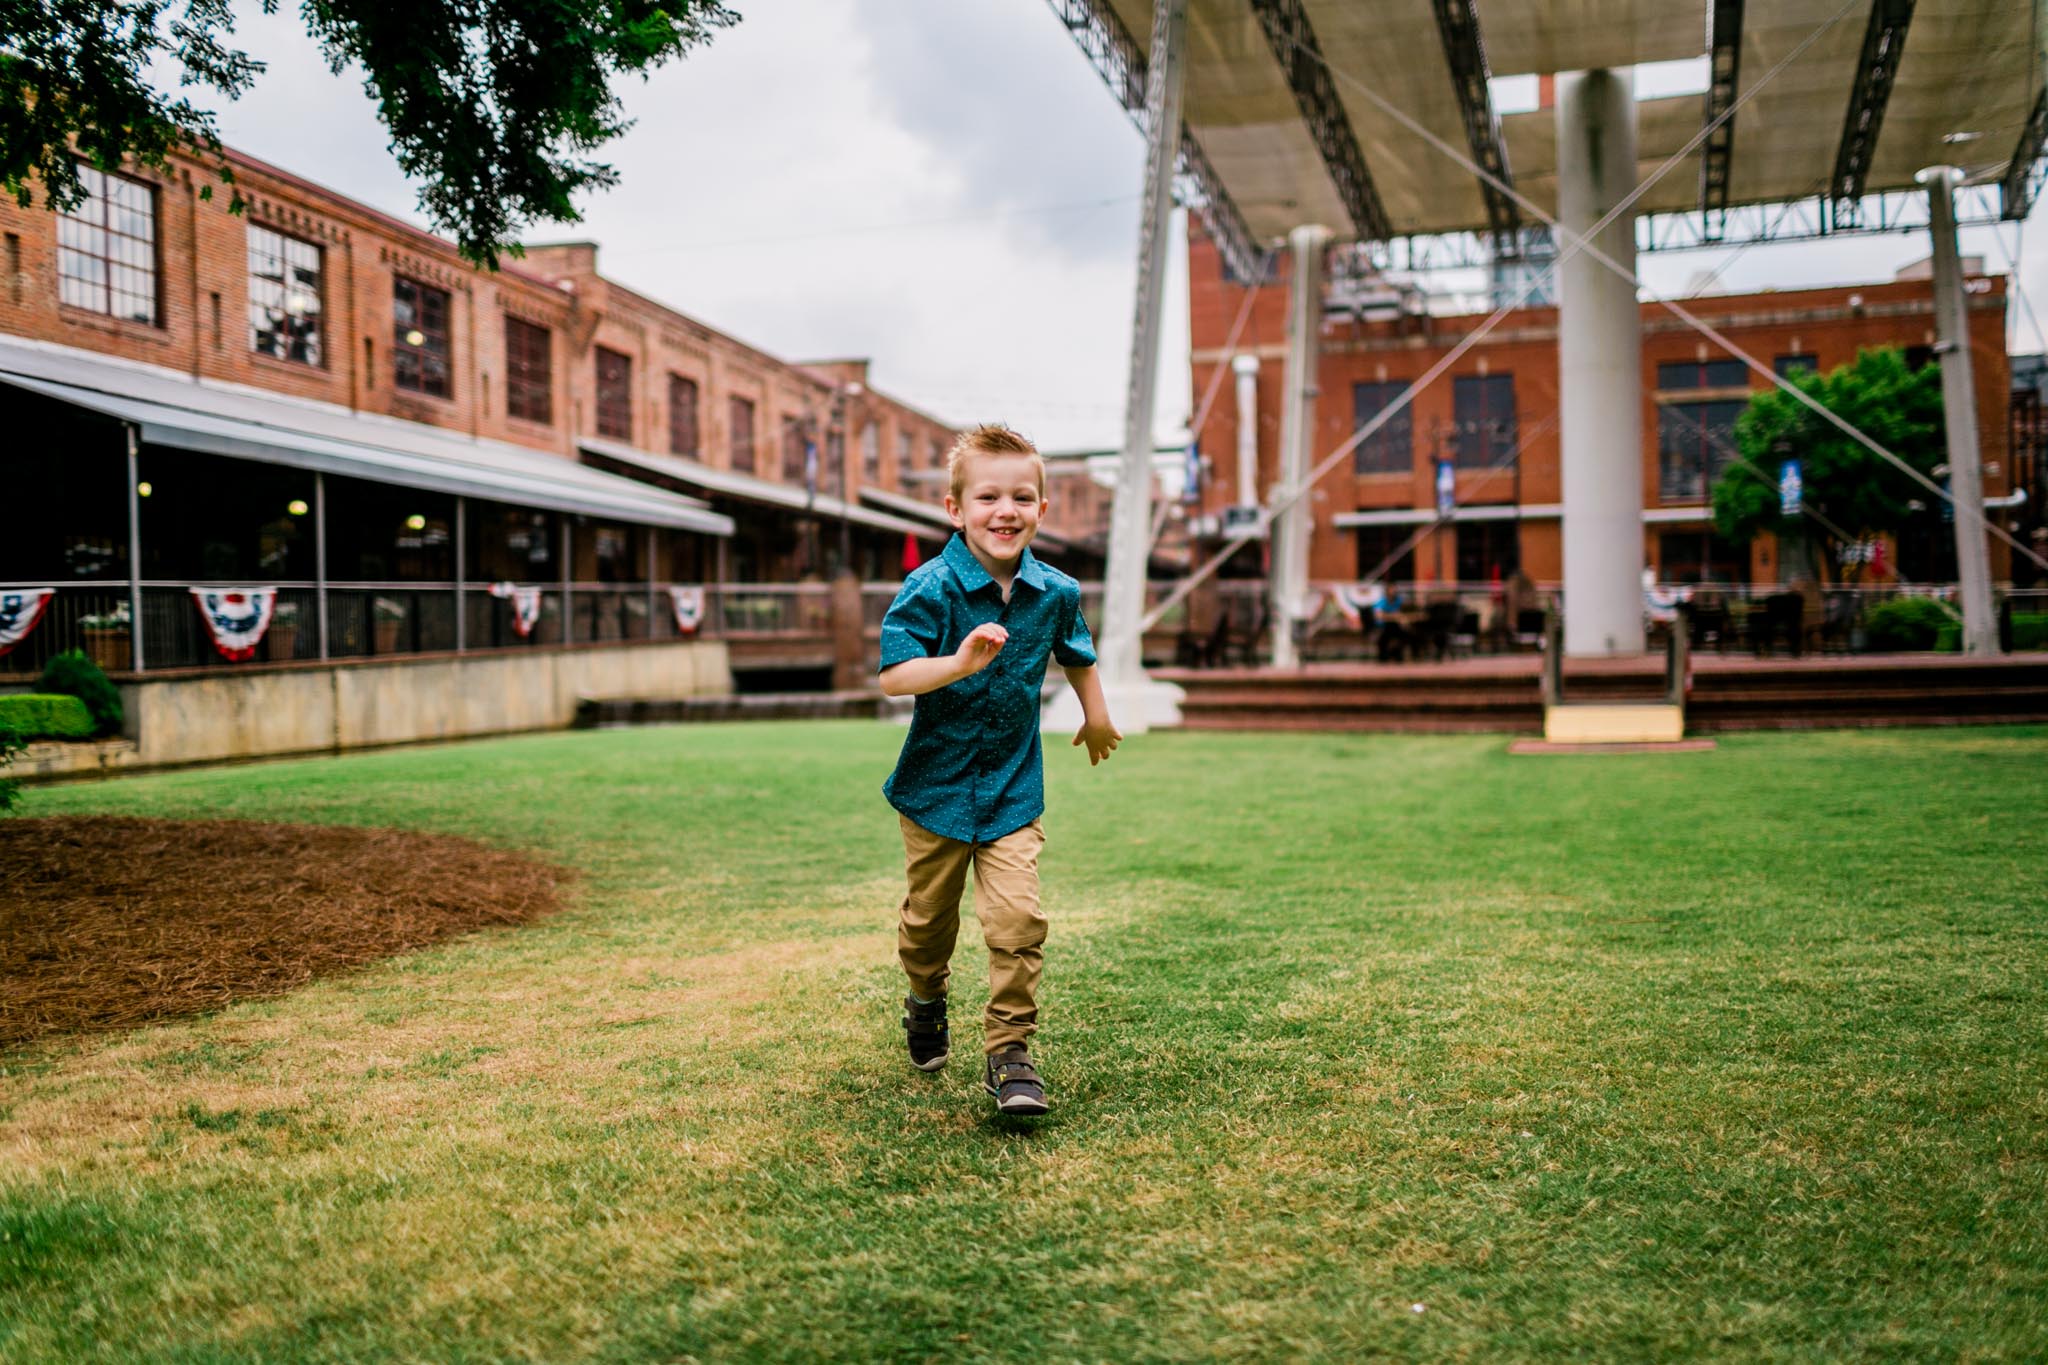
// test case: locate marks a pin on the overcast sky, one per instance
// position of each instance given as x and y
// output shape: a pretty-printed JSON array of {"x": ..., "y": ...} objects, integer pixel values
[{"x": 944, "y": 186}]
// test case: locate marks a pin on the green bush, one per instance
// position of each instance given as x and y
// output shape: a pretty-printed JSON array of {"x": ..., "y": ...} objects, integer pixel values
[
  {"x": 2030, "y": 630},
  {"x": 75, "y": 675},
  {"x": 42, "y": 715},
  {"x": 1905, "y": 623},
  {"x": 10, "y": 789}
]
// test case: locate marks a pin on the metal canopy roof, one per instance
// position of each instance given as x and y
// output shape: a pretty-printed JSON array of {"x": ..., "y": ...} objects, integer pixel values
[{"x": 1876, "y": 97}]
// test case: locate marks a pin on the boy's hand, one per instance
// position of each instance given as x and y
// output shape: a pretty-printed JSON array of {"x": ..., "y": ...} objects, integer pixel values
[
  {"x": 980, "y": 647},
  {"x": 1101, "y": 738}
]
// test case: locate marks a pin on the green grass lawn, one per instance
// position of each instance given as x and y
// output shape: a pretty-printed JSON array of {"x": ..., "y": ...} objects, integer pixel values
[{"x": 1359, "y": 1046}]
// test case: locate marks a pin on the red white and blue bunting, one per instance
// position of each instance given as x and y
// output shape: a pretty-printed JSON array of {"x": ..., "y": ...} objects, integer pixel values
[
  {"x": 689, "y": 606},
  {"x": 1662, "y": 604},
  {"x": 525, "y": 605},
  {"x": 20, "y": 609},
  {"x": 236, "y": 618}
]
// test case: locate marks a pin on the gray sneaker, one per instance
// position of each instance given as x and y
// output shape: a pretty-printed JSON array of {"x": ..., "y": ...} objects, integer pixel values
[
  {"x": 1014, "y": 1082},
  {"x": 924, "y": 1029}
]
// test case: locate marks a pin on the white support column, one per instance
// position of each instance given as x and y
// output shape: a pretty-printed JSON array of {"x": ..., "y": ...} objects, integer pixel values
[
  {"x": 1288, "y": 582},
  {"x": 1246, "y": 368},
  {"x": 1959, "y": 408},
  {"x": 1135, "y": 701},
  {"x": 1599, "y": 363}
]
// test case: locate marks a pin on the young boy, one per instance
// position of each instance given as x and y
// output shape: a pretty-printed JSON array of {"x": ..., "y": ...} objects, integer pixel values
[{"x": 969, "y": 636}]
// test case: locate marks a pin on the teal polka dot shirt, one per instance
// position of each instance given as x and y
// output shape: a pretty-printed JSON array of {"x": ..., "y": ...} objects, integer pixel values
[{"x": 972, "y": 767}]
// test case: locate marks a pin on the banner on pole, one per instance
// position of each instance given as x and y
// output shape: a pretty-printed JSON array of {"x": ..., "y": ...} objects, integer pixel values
[
  {"x": 1791, "y": 489},
  {"x": 525, "y": 605},
  {"x": 1446, "y": 489},
  {"x": 20, "y": 609},
  {"x": 236, "y": 618},
  {"x": 689, "y": 607}
]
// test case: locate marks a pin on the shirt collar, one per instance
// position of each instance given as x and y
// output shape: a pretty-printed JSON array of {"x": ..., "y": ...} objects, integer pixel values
[{"x": 973, "y": 578}]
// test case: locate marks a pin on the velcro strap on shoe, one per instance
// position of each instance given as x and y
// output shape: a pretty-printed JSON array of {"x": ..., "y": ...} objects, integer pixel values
[
  {"x": 1010, "y": 1073},
  {"x": 916, "y": 1025}
]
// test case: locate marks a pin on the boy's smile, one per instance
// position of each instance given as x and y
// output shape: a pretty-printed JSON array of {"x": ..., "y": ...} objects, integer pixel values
[{"x": 999, "y": 509}]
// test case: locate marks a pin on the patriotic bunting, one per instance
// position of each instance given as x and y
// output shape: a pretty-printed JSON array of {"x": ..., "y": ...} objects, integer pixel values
[
  {"x": 689, "y": 605},
  {"x": 525, "y": 605},
  {"x": 236, "y": 618},
  {"x": 20, "y": 609},
  {"x": 1662, "y": 604}
]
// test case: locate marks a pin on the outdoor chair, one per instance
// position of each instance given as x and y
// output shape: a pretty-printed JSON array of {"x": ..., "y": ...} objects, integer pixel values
[
  {"x": 1781, "y": 616},
  {"x": 1433, "y": 633},
  {"x": 1706, "y": 618},
  {"x": 1838, "y": 618}
]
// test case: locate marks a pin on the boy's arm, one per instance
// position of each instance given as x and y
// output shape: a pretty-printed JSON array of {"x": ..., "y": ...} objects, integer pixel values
[
  {"x": 1097, "y": 731},
  {"x": 914, "y": 677}
]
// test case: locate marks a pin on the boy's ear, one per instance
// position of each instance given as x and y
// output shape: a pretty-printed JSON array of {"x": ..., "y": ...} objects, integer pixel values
[{"x": 954, "y": 514}]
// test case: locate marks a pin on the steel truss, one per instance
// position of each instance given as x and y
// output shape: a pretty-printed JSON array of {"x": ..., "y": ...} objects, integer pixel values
[
  {"x": 1115, "y": 55},
  {"x": 1308, "y": 75},
  {"x": 1884, "y": 41},
  {"x": 1693, "y": 230},
  {"x": 1457, "y": 21},
  {"x": 2023, "y": 173},
  {"x": 1724, "y": 63}
]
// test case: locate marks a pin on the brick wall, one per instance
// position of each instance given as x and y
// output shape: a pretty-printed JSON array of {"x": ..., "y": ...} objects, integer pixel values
[
  {"x": 1830, "y": 324},
  {"x": 202, "y": 327}
]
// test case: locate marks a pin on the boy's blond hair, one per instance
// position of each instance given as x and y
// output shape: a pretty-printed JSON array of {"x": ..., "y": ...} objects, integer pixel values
[{"x": 990, "y": 438}]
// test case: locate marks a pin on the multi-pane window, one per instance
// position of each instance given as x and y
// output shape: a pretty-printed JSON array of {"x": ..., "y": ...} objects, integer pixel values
[
  {"x": 1391, "y": 449},
  {"x": 419, "y": 337},
  {"x": 1376, "y": 544},
  {"x": 1488, "y": 551},
  {"x": 936, "y": 450},
  {"x": 106, "y": 248},
  {"x": 1789, "y": 365},
  {"x": 284, "y": 296},
  {"x": 682, "y": 416},
  {"x": 871, "y": 453},
  {"x": 905, "y": 444},
  {"x": 1483, "y": 408},
  {"x": 1702, "y": 374},
  {"x": 1700, "y": 557},
  {"x": 529, "y": 371},
  {"x": 1695, "y": 442},
  {"x": 614, "y": 395},
  {"x": 741, "y": 420},
  {"x": 792, "y": 450}
]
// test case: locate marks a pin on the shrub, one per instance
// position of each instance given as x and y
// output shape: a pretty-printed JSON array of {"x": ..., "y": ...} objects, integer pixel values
[
  {"x": 43, "y": 715},
  {"x": 2030, "y": 630},
  {"x": 1905, "y": 623},
  {"x": 74, "y": 675},
  {"x": 10, "y": 790}
]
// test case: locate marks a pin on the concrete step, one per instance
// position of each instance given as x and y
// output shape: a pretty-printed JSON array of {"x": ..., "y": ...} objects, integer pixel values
[{"x": 597, "y": 712}]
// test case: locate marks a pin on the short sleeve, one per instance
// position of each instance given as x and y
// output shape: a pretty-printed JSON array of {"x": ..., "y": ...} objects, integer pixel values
[
  {"x": 1072, "y": 646},
  {"x": 912, "y": 629}
]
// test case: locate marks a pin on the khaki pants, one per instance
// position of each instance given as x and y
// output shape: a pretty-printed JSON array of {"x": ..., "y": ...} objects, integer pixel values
[{"x": 1006, "y": 903}]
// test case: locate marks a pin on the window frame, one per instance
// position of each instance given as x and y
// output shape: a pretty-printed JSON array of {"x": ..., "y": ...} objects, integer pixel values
[
  {"x": 529, "y": 388},
  {"x": 71, "y": 283},
  {"x": 317, "y": 359},
  {"x": 1721, "y": 372},
  {"x": 740, "y": 436},
  {"x": 1704, "y": 461},
  {"x": 1499, "y": 447},
  {"x": 421, "y": 353},
  {"x": 612, "y": 403},
  {"x": 684, "y": 415},
  {"x": 1391, "y": 449}
]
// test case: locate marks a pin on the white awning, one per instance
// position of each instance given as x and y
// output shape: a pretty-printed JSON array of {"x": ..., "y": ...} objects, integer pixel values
[
  {"x": 732, "y": 484},
  {"x": 174, "y": 412},
  {"x": 1544, "y": 511}
]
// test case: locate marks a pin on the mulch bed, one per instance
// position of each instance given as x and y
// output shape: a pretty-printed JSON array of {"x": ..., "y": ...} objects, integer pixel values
[{"x": 112, "y": 922}]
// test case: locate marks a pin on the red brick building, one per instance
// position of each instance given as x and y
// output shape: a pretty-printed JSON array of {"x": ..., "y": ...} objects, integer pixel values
[
  {"x": 536, "y": 424},
  {"x": 1502, "y": 397}
]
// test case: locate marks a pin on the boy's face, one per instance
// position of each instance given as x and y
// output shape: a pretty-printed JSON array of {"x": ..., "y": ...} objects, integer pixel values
[{"x": 999, "y": 508}]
